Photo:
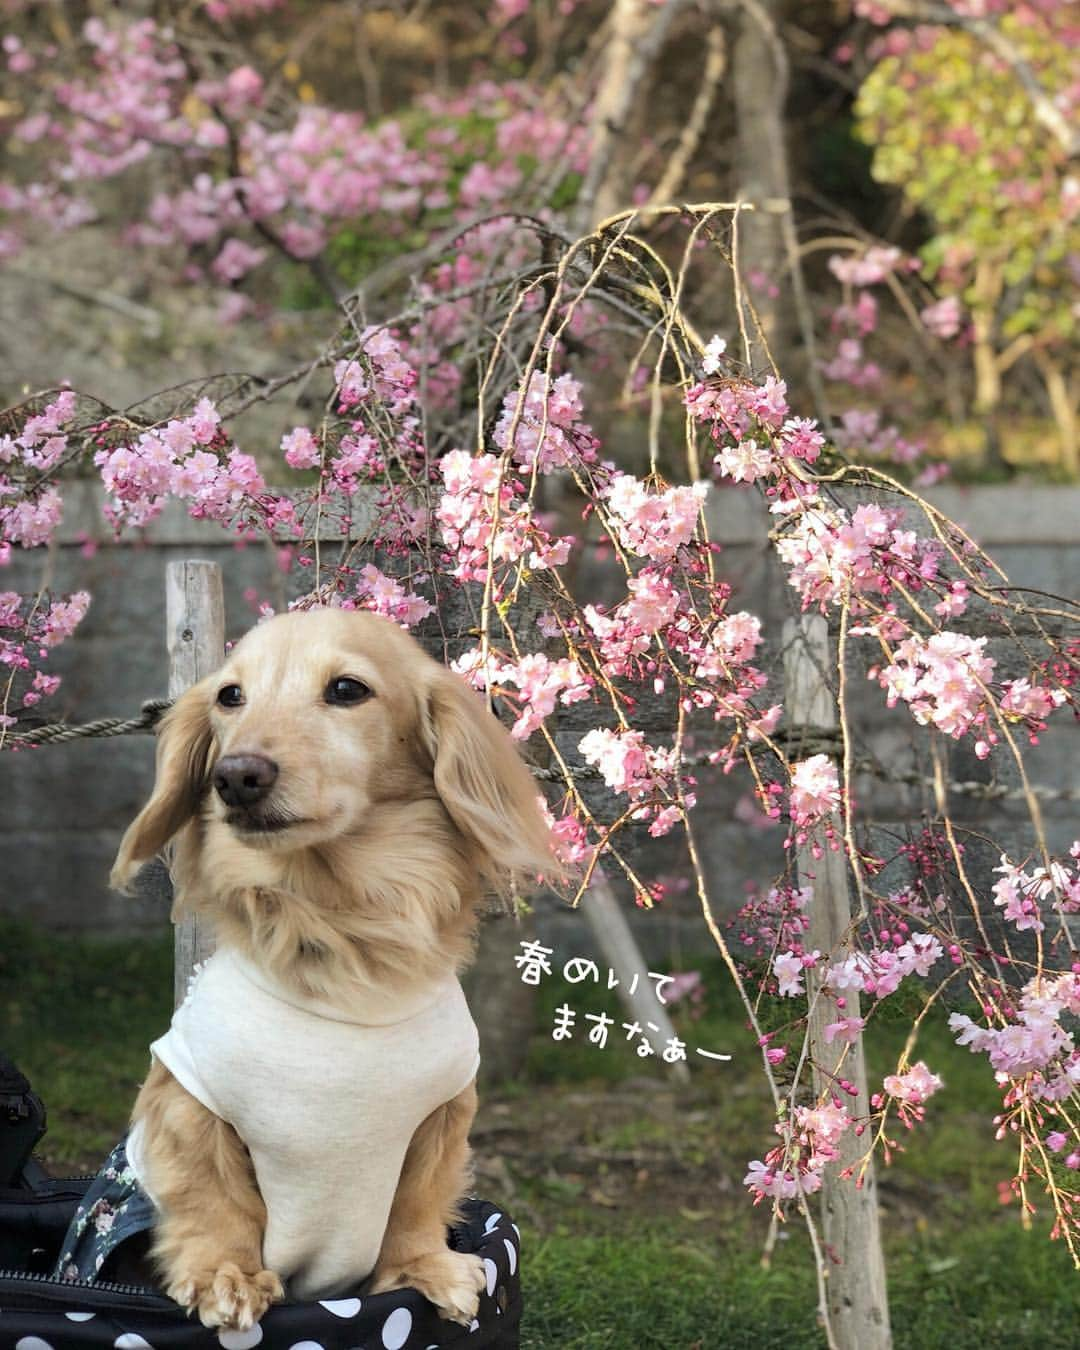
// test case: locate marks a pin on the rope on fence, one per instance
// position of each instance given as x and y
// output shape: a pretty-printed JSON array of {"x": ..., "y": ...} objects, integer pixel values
[{"x": 153, "y": 709}]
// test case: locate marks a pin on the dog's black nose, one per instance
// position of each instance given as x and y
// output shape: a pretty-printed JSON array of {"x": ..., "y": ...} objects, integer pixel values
[{"x": 243, "y": 780}]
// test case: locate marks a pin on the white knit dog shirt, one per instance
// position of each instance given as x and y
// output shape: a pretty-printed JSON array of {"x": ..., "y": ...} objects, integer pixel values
[{"x": 326, "y": 1100}]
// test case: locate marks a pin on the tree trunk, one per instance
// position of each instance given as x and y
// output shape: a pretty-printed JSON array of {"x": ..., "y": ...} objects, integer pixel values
[
  {"x": 855, "y": 1274},
  {"x": 502, "y": 1005},
  {"x": 987, "y": 290},
  {"x": 638, "y": 32},
  {"x": 1063, "y": 406},
  {"x": 760, "y": 86},
  {"x": 195, "y": 638}
]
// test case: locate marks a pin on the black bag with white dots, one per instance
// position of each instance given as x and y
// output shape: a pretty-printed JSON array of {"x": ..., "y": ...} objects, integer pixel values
[{"x": 40, "y": 1312}]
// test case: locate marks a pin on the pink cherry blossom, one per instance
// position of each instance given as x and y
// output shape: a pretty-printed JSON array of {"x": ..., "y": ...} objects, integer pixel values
[
  {"x": 236, "y": 259},
  {"x": 626, "y": 762},
  {"x": 915, "y": 1086},
  {"x": 943, "y": 318},
  {"x": 942, "y": 679},
  {"x": 541, "y": 684},
  {"x": 710, "y": 358},
  {"x": 546, "y": 425},
  {"x": 815, "y": 789},
  {"x": 654, "y": 524},
  {"x": 788, "y": 969},
  {"x": 745, "y": 461},
  {"x": 866, "y": 269},
  {"x": 846, "y": 1029},
  {"x": 654, "y": 601},
  {"x": 387, "y": 596},
  {"x": 301, "y": 449},
  {"x": 569, "y": 836},
  {"x": 63, "y": 618},
  {"x": 800, "y": 437}
]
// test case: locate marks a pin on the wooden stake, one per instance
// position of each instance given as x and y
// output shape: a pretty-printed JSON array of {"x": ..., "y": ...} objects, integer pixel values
[
  {"x": 195, "y": 638},
  {"x": 615, "y": 938},
  {"x": 857, "y": 1297}
]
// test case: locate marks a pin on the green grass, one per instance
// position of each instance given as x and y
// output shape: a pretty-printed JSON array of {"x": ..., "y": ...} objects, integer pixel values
[
  {"x": 675, "y": 1266},
  {"x": 78, "y": 1016},
  {"x": 586, "y": 1293},
  {"x": 962, "y": 1272},
  {"x": 954, "y": 1149},
  {"x": 978, "y": 1290},
  {"x": 983, "y": 1287}
]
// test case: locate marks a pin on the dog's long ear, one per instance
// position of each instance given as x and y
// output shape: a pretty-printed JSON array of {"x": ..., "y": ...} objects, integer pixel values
[
  {"x": 183, "y": 753},
  {"x": 484, "y": 784}
]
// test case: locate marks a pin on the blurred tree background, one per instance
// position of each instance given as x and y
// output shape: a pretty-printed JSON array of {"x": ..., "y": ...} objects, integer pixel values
[{"x": 192, "y": 188}]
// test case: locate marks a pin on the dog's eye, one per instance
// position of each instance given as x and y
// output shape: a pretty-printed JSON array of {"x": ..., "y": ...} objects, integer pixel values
[
  {"x": 346, "y": 690},
  {"x": 230, "y": 696}
]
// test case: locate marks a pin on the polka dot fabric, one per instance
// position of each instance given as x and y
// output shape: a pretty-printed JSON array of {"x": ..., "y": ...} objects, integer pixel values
[{"x": 40, "y": 1314}]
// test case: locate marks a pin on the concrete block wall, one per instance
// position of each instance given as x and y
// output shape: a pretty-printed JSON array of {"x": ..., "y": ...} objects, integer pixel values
[{"x": 65, "y": 807}]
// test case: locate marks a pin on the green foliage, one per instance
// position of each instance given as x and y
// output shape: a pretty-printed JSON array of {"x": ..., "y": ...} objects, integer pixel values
[
  {"x": 955, "y": 130},
  {"x": 978, "y": 1288},
  {"x": 566, "y": 192},
  {"x": 352, "y": 254}
]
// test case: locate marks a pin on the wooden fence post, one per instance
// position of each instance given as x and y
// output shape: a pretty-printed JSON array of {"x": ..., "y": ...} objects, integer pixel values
[
  {"x": 614, "y": 936},
  {"x": 857, "y": 1299},
  {"x": 195, "y": 638}
]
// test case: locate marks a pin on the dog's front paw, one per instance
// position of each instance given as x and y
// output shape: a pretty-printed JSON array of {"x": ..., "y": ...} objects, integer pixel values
[
  {"x": 227, "y": 1297},
  {"x": 451, "y": 1280}
]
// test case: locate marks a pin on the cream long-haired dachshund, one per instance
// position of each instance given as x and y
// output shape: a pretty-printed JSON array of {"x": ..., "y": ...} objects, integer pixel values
[{"x": 338, "y": 804}]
